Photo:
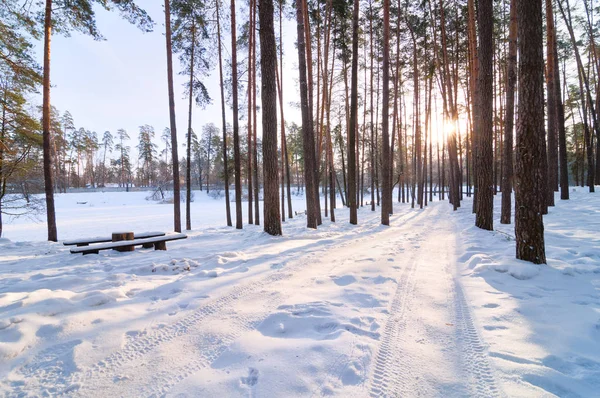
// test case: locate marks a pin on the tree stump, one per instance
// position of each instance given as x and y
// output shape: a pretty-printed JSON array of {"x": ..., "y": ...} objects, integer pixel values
[{"x": 120, "y": 236}]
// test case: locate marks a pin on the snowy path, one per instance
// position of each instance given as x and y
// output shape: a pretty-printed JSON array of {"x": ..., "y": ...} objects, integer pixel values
[{"x": 388, "y": 297}]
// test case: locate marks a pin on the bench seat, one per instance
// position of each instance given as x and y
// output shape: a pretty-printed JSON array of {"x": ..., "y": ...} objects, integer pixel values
[
  {"x": 158, "y": 242},
  {"x": 103, "y": 239}
]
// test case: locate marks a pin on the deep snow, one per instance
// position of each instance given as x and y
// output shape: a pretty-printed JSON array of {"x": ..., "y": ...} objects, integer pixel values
[{"x": 430, "y": 306}]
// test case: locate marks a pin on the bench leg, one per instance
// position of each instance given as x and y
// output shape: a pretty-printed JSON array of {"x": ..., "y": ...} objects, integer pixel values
[
  {"x": 160, "y": 246},
  {"x": 125, "y": 249},
  {"x": 91, "y": 252},
  {"x": 148, "y": 245}
]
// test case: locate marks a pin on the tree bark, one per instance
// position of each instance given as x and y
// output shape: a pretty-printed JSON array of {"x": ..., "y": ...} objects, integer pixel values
[
  {"x": 175, "y": 156},
  {"x": 529, "y": 190},
  {"x": 251, "y": 84},
  {"x": 188, "y": 171},
  {"x": 562, "y": 134},
  {"x": 485, "y": 196},
  {"x": 47, "y": 144},
  {"x": 511, "y": 80},
  {"x": 308, "y": 141},
  {"x": 551, "y": 104},
  {"x": 268, "y": 65},
  {"x": 353, "y": 119},
  {"x": 386, "y": 205},
  {"x": 224, "y": 122},
  {"x": 473, "y": 87},
  {"x": 236, "y": 129}
]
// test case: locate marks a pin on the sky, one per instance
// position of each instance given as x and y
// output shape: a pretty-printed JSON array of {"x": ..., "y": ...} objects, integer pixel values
[{"x": 121, "y": 82}]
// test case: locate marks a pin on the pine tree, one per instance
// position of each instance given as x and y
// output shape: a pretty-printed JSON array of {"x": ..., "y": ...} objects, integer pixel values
[
  {"x": 191, "y": 40},
  {"x": 223, "y": 120},
  {"x": 485, "y": 183},
  {"x": 509, "y": 120},
  {"x": 268, "y": 63},
  {"x": 173, "y": 122},
  {"x": 236, "y": 129},
  {"x": 529, "y": 189},
  {"x": 63, "y": 16},
  {"x": 353, "y": 119}
]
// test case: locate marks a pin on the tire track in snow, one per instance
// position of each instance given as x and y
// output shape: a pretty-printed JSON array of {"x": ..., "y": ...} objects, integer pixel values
[
  {"x": 475, "y": 358},
  {"x": 387, "y": 374},
  {"x": 393, "y": 370},
  {"x": 54, "y": 379},
  {"x": 340, "y": 364}
]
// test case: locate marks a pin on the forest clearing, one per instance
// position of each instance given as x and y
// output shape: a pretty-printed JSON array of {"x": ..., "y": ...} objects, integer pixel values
[
  {"x": 430, "y": 306},
  {"x": 382, "y": 198}
]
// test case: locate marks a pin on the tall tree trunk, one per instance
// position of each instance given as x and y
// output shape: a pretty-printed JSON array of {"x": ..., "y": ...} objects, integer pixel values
[
  {"x": 309, "y": 77},
  {"x": 47, "y": 144},
  {"x": 583, "y": 82},
  {"x": 224, "y": 121},
  {"x": 551, "y": 103},
  {"x": 236, "y": 129},
  {"x": 529, "y": 189},
  {"x": 353, "y": 119},
  {"x": 2, "y": 137},
  {"x": 386, "y": 206},
  {"x": 251, "y": 85},
  {"x": 308, "y": 141},
  {"x": 268, "y": 66},
  {"x": 373, "y": 144},
  {"x": 474, "y": 89},
  {"x": 255, "y": 146},
  {"x": 175, "y": 156},
  {"x": 562, "y": 134},
  {"x": 188, "y": 169},
  {"x": 511, "y": 80},
  {"x": 485, "y": 195}
]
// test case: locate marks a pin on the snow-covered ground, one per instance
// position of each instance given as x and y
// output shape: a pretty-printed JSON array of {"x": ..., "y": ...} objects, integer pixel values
[{"x": 430, "y": 306}]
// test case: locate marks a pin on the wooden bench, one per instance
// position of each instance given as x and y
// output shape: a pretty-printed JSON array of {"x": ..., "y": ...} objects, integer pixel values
[
  {"x": 158, "y": 242},
  {"x": 100, "y": 239}
]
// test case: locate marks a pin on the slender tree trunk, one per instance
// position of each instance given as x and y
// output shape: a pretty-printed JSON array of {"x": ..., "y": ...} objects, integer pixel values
[
  {"x": 386, "y": 205},
  {"x": 309, "y": 76},
  {"x": 353, "y": 119},
  {"x": 511, "y": 80},
  {"x": 583, "y": 81},
  {"x": 251, "y": 84},
  {"x": 2, "y": 137},
  {"x": 255, "y": 142},
  {"x": 474, "y": 78},
  {"x": 224, "y": 122},
  {"x": 307, "y": 130},
  {"x": 236, "y": 129},
  {"x": 371, "y": 111},
  {"x": 188, "y": 171},
  {"x": 529, "y": 189},
  {"x": 552, "y": 108},
  {"x": 175, "y": 156},
  {"x": 47, "y": 144},
  {"x": 562, "y": 135},
  {"x": 485, "y": 196}
]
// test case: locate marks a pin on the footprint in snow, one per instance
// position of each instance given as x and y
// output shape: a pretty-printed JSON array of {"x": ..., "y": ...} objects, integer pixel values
[
  {"x": 491, "y": 305},
  {"x": 343, "y": 280},
  {"x": 251, "y": 379}
]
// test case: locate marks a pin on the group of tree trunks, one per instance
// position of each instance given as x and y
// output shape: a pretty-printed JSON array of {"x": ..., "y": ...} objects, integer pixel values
[{"x": 541, "y": 155}]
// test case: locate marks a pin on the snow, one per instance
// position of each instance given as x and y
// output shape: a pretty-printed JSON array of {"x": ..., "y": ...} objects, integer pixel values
[{"x": 431, "y": 306}]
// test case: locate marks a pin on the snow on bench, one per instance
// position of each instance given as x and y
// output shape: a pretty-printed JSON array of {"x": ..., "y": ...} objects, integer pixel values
[
  {"x": 102, "y": 239},
  {"x": 159, "y": 243}
]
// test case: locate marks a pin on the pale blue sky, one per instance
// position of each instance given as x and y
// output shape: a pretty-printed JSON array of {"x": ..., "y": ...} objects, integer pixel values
[{"x": 121, "y": 82}]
